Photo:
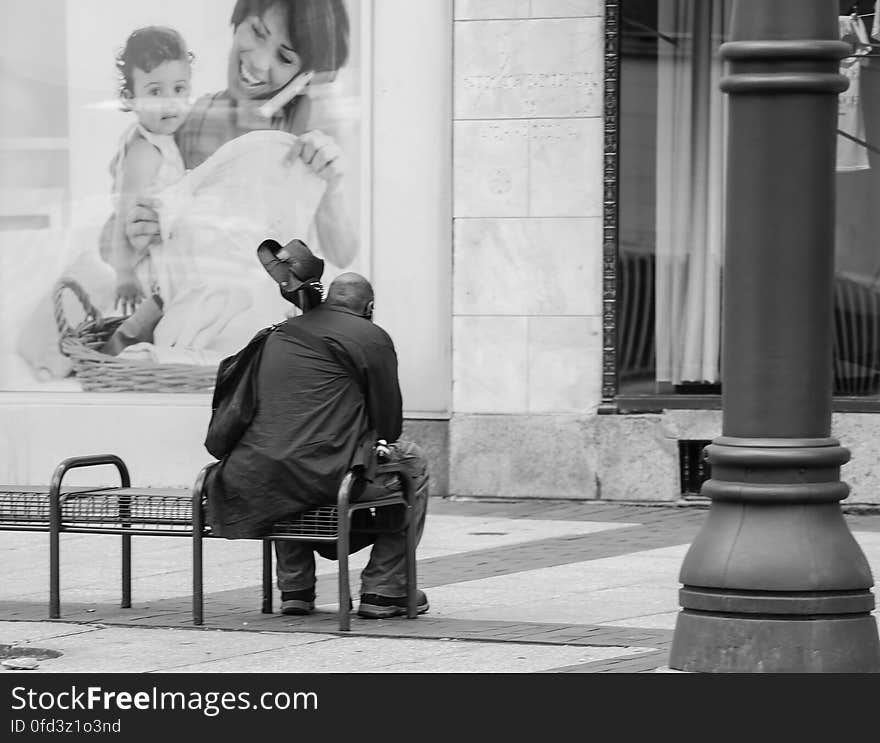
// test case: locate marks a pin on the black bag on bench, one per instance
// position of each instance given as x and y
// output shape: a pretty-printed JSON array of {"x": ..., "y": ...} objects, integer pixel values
[{"x": 235, "y": 396}]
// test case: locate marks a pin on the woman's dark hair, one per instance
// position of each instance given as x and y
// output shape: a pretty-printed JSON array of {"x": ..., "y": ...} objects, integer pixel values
[
  {"x": 318, "y": 29},
  {"x": 145, "y": 49}
]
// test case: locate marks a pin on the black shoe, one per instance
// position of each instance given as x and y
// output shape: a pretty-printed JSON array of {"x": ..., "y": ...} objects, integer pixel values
[
  {"x": 298, "y": 602},
  {"x": 374, "y": 606}
]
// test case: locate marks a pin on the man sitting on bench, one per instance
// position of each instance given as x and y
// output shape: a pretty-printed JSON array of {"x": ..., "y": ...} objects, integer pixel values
[{"x": 327, "y": 391}]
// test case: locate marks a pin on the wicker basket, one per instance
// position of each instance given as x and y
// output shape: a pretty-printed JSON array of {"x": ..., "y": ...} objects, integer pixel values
[{"x": 100, "y": 372}]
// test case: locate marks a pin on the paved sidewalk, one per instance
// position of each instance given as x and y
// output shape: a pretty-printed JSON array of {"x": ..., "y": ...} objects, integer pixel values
[{"x": 520, "y": 586}]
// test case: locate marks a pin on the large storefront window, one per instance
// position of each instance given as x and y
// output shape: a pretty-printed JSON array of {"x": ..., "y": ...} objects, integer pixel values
[
  {"x": 194, "y": 110},
  {"x": 671, "y": 200}
]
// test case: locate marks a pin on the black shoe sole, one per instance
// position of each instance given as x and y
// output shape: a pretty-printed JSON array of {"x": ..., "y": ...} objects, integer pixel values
[
  {"x": 297, "y": 608},
  {"x": 372, "y": 611}
]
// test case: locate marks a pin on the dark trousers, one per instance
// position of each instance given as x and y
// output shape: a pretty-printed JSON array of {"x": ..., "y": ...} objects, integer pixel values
[{"x": 385, "y": 573}]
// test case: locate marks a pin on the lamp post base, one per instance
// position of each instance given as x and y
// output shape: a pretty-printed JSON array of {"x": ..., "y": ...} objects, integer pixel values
[
  {"x": 705, "y": 642},
  {"x": 775, "y": 581}
]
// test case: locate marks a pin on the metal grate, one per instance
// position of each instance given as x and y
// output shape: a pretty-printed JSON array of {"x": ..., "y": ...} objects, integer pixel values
[
  {"x": 24, "y": 508},
  {"x": 693, "y": 467},
  {"x": 135, "y": 509},
  {"x": 319, "y": 522},
  {"x": 150, "y": 510},
  {"x": 323, "y": 522}
]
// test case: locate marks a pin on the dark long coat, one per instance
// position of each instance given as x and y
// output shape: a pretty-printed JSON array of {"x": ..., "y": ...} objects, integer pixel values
[{"x": 320, "y": 408}]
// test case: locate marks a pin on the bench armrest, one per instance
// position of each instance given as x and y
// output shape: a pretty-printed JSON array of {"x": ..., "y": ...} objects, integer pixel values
[
  {"x": 198, "y": 500},
  {"x": 92, "y": 460},
  {"x": 200, "y": 481}
]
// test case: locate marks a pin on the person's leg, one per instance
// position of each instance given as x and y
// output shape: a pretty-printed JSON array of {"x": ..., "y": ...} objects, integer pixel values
[
  {"x": 383, "y": 580},
  {"x": 295, "y": 570}
]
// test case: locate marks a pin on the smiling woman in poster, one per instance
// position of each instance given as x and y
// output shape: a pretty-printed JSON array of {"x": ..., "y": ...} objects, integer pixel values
[
  {"x": 277, "y": 45},
  {"x": 205, "y": 230}
]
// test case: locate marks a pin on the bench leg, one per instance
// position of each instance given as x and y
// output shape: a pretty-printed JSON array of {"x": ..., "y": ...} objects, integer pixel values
[
  {"x": 411, "y": 581},
  {"x": 125, "y": 521},
  {"x": 198, "y": 607},
  {"x": 342, "y": 554},
  {"x": 198, "y": 518},
  {"x": 267, "y": 576},
  {"x": 54, "y": 577},
  {"x": 198, "y": 532},
  {"x": 126, "y": 571},
  {"x": 54, "y": 549}
]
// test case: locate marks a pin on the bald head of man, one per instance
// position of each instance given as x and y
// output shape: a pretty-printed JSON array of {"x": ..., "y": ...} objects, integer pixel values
[{"x": 353, "y": 292}]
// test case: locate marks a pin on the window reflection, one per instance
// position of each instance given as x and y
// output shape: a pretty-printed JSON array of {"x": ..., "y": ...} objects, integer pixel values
[{"x": 673, "y": 121}]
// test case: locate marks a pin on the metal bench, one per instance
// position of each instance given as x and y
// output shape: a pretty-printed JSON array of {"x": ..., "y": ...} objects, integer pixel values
[{"x": 140, "y": 512}]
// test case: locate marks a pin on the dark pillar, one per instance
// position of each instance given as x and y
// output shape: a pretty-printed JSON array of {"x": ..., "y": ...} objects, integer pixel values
[{"x": 775, "y": 581}]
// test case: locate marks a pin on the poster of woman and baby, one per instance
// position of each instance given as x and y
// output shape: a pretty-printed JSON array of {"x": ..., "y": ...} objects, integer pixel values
[{"x": 195, "y": 130}]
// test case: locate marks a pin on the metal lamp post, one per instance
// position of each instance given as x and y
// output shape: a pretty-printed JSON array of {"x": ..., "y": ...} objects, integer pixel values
[{"x": 775, "y": 581}]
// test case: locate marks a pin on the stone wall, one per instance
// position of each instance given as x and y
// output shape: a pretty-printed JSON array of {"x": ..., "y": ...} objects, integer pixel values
[
  {"x": 626, "y": 458},
  {"x": 527, "y": 253}
]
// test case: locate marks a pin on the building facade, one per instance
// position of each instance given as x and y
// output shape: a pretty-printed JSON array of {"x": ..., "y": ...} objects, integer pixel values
[{"x": 537, "y": 188}]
